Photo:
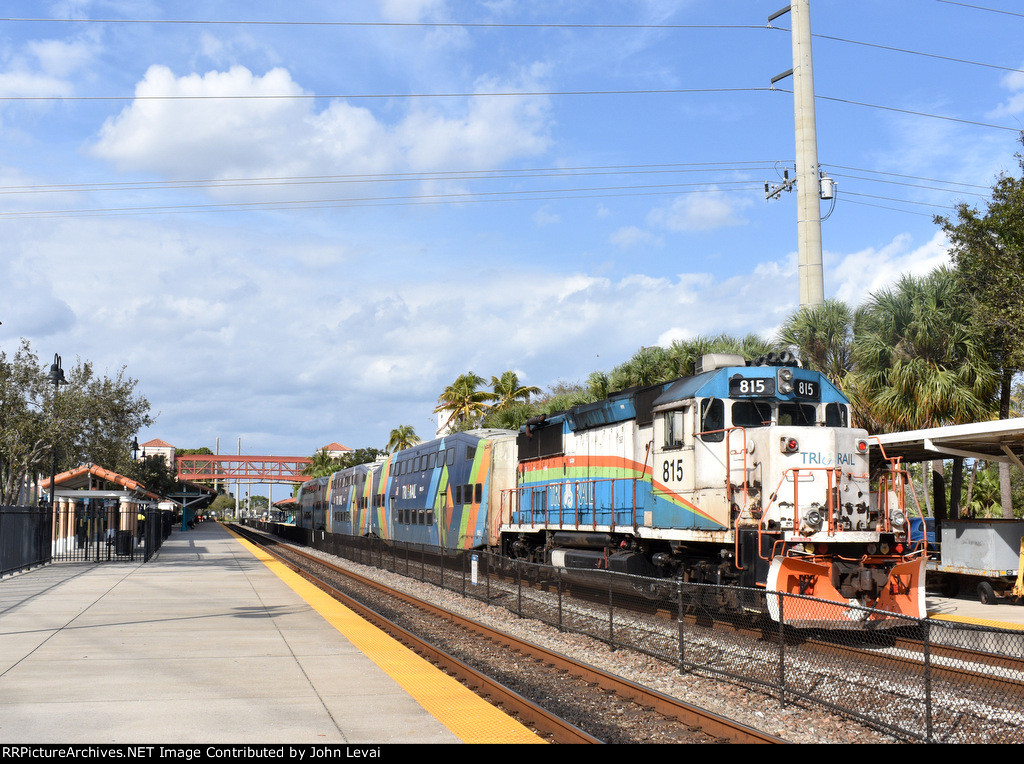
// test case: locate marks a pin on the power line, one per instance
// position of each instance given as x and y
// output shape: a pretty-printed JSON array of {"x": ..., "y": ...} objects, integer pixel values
[
  {"x": 425, "y": 24},
  {"x": 908, "y": 111},
  {"x": 460, "y": 198},
  {"x": 401, "y": 177},
  {"x": 908, "y": 185},
  {"x": 981, "y": 8},
  {"x": 918, "y": 53},
  {"x": 910, "y": 177},
  {"x": 358, "y": 96}
]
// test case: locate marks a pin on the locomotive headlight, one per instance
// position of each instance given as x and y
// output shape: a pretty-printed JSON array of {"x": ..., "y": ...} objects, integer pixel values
[
  {"x": 785, "y": 380},
  {"x": 812, "y": 519},
  {"x": 897, "y": 518}
]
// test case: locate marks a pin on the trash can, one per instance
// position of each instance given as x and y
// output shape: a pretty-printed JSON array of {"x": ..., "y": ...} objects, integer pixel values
[{"x": 123, "y": 544}]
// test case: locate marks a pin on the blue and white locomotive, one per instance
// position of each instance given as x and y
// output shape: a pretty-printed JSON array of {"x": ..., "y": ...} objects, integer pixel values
[{"x": 741, "y": 474}]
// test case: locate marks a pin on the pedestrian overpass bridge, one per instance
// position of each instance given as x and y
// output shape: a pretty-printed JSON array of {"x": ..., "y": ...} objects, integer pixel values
[{"x": 197, "y": 468}]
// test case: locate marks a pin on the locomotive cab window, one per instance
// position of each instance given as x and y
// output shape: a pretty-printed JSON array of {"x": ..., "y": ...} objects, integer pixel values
[
  {"x": 712, "y": 420},
  {"x": 751, "y": 414},
  {"x": 797, "y": 414},
  {"x": 836, "y": 415},
  {"x": 672, "y": 421}
]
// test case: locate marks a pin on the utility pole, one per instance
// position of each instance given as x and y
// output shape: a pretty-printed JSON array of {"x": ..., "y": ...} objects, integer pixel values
[{"x": 808, "y": 222}]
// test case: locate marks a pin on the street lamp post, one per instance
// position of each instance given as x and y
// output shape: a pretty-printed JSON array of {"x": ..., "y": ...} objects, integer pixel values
[{"x": 57, "y": 378}]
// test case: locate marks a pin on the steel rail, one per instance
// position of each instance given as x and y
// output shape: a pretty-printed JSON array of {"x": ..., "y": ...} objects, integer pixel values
[
  {"x": 531, "y": 714},
  {"x": 712, "y": 724}
]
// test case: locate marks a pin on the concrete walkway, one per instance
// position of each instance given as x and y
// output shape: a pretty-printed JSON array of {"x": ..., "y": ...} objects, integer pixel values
[{"x": 202, "y": 644}]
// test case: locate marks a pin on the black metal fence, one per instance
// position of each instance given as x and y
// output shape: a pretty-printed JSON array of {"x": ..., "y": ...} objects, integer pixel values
[
  {"x": 24, "y": 538},
  {"x": 80, "y": 532},
  {"x": 104, "y": 531},
  {"x": 915, "y": 679}
]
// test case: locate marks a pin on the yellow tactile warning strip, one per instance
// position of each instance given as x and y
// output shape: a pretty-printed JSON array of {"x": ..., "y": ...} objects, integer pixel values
[
  {"x": 468, "y": 716},
  {"x": 977, "y": 621}
]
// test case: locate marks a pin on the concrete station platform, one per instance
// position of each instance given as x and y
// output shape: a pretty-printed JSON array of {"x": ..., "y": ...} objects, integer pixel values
[
  {"x": 211, "y": 643},
  {"x": 1006, "y": 614}
]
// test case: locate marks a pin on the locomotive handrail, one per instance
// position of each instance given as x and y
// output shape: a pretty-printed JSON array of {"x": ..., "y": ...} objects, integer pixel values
[
  {"x": 886, "y": 521},
  {"x": 830, "y": 472},
  {"x": 589, "y": 503}
]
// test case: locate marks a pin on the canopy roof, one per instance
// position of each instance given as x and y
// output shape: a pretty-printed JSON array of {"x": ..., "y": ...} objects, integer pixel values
[
  {"x": 1000, "y": 440},
  {"x": 90, "y": 476}
]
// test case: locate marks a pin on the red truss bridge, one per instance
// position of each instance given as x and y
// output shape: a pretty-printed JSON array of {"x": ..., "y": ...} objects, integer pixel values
[{"x": 256, "y": 469}]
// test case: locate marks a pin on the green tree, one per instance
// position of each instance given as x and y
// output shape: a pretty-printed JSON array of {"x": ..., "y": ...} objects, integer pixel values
[
  {"x": 463, "y": 401},
  {"x": 988, "y": 252},
  {"x": 322, "y": 463},
  {"x": 89, "y": 419},
  {"x": 358, "y": 456},
  {"x": 507, "y": 390},
  {"x": 402, "y": 437},
  {"x": 919, "y": 362},
  {"x": 824, "y": 336}
]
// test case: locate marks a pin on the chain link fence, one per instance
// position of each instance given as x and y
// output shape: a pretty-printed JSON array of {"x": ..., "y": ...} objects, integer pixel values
[{"x": 915, "y": 679}]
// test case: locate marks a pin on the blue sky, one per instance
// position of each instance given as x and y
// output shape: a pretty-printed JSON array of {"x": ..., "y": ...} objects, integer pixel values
[{"x": 453, "y": 186}]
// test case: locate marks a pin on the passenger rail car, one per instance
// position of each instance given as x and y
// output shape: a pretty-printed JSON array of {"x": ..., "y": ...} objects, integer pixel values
[{"x": 446, "y": 492}]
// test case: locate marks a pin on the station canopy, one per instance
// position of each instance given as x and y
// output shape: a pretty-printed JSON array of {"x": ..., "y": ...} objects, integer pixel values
[{"x": 1001, "y": 440}]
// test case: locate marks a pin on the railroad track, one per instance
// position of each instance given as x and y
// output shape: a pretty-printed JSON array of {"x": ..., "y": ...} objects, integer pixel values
[{"x": 563, "y": 700}]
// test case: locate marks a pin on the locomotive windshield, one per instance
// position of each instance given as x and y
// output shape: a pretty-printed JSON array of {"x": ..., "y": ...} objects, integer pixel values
[{"x": 763, "y": 413}]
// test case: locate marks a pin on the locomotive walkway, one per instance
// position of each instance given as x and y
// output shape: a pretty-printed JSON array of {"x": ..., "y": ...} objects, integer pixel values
[{"x": 212, "y": 643}]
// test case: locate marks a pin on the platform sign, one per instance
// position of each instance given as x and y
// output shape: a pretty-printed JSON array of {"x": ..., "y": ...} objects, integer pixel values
[{"x": 474, "y": 566}]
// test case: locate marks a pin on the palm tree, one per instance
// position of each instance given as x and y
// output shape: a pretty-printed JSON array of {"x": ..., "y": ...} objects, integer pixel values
[
  {"x": 824, "y": 334},
  {"x": 322, "y": 464},
  {"x": 920, "y": 362},
  {"x": 463, "y": 401},
  {"x": 402, "y": 437},
  {"x": 507, "y": 390},
  {"x": 918, "y": 358}
]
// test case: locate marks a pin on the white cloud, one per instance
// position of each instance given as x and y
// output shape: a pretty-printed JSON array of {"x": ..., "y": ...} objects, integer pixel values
[
  {"x": 411, "y": 10},
  {"x": 545, "y": 217},
  {"x": 631, "y": 237},
  {"x": 700, "y": 212},
  {"x": 859, "y": 274},
  {"x": 252, "y": 134},
  {"x": 1014, "y": 82}
]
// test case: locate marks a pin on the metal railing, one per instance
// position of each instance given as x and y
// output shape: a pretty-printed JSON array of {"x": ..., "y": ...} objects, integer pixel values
[
  {"x": 24, "y": 538},
  {"x": 914, "y": 679},
  {"x": 579, "y": 504},
  {"x": 31, "y": 536}
]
